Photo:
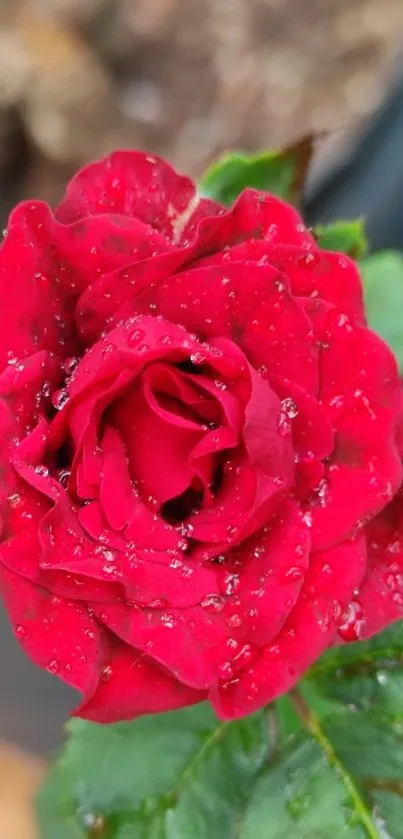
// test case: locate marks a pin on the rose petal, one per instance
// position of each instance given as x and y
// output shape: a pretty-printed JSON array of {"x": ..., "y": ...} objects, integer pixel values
[
  {"x": 309, "y": 630},
  {"x": 58, "y": 635},
  {"x": 131, "y": 684},
  {"x": 116, "y": 491},
  {"x": 158, "y": 450},
  {"x": 190, "y": 643},
  {"x": 361, "y": 394},
  {"x": 139, "y": 185},
  {"x": 329, "y": 276},
  {"x": 271, "y": 569},
  {"x": 211, "y": 302},
  {"x": 37, "y": 317},
  {"x": 380, "y": 600}
]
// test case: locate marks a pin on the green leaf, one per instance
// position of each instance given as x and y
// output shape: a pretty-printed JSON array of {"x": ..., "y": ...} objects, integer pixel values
[
  {"x": 382, "y": 275},
  {"x": 182, "y": 774},
  {"x": 365, "y": 675},
  {"x": 281, "y": 172},
  {"x": 324, "y": 762},
  {"x": 342, "y": 778},
  {"x": 301, "y": 797},
  {"x": 334, "y": 773},
  {"x": 371, "y": 749},
  {"x": 344, "y": 236}
]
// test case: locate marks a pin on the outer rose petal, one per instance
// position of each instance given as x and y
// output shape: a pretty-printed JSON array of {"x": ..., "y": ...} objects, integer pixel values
[
  {"x": 254, "y": 215},
  {"x": 308, "y": 271},
  {"x": 131, "y": 684},
  {"x": 57, "y": 634},
  {"x": 309, "y": 630},
  {"x": 361, "y": 394},
  {"x": 329, "y": 276},
  {"x": 269, "y": 572},
  {"x": 143, "y": 186},
  {"x": 36, "y": 315},
  {"x": 380, "y": 601}
]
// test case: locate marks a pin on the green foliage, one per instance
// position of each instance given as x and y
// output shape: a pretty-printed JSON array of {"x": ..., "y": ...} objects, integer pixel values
[
  {"x": 345, "y": 236},
  {"x": 181, "y": 774},
  {"x": 281, "y": 172},
  {"x": 325, "y": 762},
  {"x": 382, "y": 275}
]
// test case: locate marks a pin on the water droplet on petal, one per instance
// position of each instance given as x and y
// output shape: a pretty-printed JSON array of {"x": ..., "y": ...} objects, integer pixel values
[
  {"x": 14, "y": 500},
  {"x": 292, "y": 575},
  {"x": 289, "y": 407},
  {"x": 53, "y": 666},
  {"x": 352, "y": 622},
  {"x": 213, "y": 603},
  {"x": 135, "y": 337},
  {"x": 235, "y": 621},
  {"x": 226, "y": 670},
  {"x": 42, "y": 470},
  {"x": 197, "y": 358},
  {"x": 70, "y": 364},
  {"x": 307, "y": 518},
  {"x": 168, "y": 620},
  {"x": 60, "y": 399},
  {"x": 284, "y": 426},
  {"x": 106, "y": 672},
  {"x": 64, "y": 477},
  {"x": 231, "y": 584},
  {"x": 20, "y": 631},
  {"x": 308, "y": 260},
  {"x": 46, "y": 389}
]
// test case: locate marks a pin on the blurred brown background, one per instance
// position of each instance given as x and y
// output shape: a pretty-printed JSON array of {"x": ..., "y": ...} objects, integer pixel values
[{"x": 186, "y": 79}]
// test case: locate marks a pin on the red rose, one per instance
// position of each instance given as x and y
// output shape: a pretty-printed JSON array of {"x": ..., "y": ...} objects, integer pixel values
[
  {"x": 379, "y": 600},
  {"x": 196, "y": 423}
]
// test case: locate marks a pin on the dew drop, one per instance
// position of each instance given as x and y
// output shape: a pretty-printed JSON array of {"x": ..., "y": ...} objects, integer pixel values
[
  {"x": 167, "y": 620},
  {"x": 106, "y": 673},
  {"x": 197, "y": 358},
  {"x": 309, "y": 260},
  {"x": 46, "y": 389},
  {"x": 226, "y": 670},
  {"x": 42, "y": 470},
  {"x": 307, "y": 518},
  {"x": 135, "y": 337},
  {"x": 352, "y": 622},
  {"x": 292, "y": 575},
  {"x": 64, "y": 477},
  {"x": 14, "y": 500},
  {"x": 284, "y": 427},
  {"x": 93, "y": 822},
  {"x": 53, "y": 666},
  {"x": 60, "y": 399},
  {"x": 70, "y": 364},
  {"x": 235, "y": 621},
  {"x": 321, "y": 492},
  {"x": 213, "y": 603},
  {"x": 20, "y": 631},
  {"x": 231, "y": 584},
  {"x": 289, "y": 407}
]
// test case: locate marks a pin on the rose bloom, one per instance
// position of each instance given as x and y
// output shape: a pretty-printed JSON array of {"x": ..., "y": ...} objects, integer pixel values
[{"x": 197, "y": 430}]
